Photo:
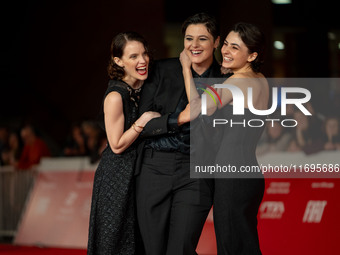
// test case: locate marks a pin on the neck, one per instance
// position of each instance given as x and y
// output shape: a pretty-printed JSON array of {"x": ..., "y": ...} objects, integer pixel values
[
  {"x": 244, "y": 69},
  {"x": 133, "y": 83},
  {"x": 200, "y": 68}
]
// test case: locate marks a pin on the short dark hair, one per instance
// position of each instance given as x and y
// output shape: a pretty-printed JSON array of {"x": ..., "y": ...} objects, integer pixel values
[
  {"x": 118, "y": 44},
  {"x": 209, "y": 21},
  {"x": 254, "y": 39}
]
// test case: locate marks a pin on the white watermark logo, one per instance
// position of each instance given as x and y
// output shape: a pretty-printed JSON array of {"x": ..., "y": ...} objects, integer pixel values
[
  {"x": 238, "y": 105},
  {"x": 238, "y": 100}
]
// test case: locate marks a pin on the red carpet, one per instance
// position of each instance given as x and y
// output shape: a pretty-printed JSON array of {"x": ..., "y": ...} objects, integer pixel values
[{"x": 6, "y": 249}]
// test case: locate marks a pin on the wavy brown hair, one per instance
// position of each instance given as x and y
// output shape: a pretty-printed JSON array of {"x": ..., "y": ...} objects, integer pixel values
[{"x": 118, "y": 44}]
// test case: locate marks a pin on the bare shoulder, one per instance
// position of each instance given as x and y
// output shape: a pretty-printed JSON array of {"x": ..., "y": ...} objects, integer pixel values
[
  {"x": 113, "y": 99},
  {"x": 241, "y": 80},
  {"x": 240, "y": 75},
  {"x": 256, "y": 81},
  {"x": 247, "y": 75},
  {"x": 113, "y": 96}
]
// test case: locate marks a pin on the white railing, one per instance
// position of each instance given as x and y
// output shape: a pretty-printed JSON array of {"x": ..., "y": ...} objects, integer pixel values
[{"x": 14, "y": 189}]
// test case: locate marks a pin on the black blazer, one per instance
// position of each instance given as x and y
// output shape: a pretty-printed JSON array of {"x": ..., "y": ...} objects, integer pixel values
[{"x": 161, "y": 93}]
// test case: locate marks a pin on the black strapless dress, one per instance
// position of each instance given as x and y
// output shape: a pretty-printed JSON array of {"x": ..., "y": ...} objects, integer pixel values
[{"x": 236, "y": 200}]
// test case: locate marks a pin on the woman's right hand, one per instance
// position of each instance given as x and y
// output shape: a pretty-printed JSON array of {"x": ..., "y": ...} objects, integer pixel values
[{"x": 146, "y": 117}]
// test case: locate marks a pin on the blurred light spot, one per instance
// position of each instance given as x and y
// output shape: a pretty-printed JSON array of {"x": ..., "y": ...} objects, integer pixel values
[
  {"x": 279, "y": 45},
  {"x": 331, "y": 36},
  {"x": 281, "y": 1}
]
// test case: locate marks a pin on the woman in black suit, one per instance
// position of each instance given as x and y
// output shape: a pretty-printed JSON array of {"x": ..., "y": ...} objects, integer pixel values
[{"x": 172, "y": 207}]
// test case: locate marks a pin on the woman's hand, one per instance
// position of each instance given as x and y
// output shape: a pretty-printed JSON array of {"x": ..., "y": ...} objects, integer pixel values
[
  {"x": 189, "y": 84},
  {"x": 146, "y": 117},
  {"x": 185, "y": 61}
]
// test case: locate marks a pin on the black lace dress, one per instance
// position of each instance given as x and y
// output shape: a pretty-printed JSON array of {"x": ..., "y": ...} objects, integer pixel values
[{"x": 112, "y": 228}]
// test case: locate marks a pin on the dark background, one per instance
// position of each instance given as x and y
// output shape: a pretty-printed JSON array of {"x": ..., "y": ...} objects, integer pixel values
[{"x": 54, "y": 53}]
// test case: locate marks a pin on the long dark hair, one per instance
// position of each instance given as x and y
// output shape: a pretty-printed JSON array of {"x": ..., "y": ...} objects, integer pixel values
[
  {"x": 254, "y": 39},
  {"x": 118, "y": 44}
]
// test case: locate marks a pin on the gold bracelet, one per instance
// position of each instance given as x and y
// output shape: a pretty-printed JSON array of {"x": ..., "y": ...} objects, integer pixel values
[
  {"x": 134, "y": 127},
  {"x": 138, "y": 125}
]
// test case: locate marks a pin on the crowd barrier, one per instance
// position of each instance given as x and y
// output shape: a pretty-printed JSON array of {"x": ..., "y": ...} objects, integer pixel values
[
  {"x": 57, "y": 214},
  {"x": 293, "y": 217},
  {"x": 14, "y": 189}
]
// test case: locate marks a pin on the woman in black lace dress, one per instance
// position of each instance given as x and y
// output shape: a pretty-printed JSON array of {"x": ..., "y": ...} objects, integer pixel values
[{"x": 112, "y": 227}]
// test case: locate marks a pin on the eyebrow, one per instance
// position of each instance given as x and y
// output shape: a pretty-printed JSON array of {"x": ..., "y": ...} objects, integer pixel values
[
  {"x": 198, "y": 36},
  {"x": 235, "y": 44}
]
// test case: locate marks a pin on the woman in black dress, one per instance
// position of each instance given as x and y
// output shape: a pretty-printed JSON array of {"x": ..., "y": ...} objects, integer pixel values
[
  {"x": 238, "y": 197},
  {"x": 112, "y": 227}
]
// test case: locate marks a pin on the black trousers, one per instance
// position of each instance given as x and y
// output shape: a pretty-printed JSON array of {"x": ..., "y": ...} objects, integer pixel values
[
  {"x": 236, "y": 203},
  {"x": 171, "y": 207}
]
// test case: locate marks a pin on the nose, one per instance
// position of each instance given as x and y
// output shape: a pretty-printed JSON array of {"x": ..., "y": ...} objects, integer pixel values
[
  {"x": 224, "y": 49},
  {"x": 195, "y": 43},
  {"x": 142, "y": 59}
]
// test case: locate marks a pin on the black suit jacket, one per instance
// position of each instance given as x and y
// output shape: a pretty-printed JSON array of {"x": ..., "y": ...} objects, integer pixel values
[{"x": 161, "y": 93}]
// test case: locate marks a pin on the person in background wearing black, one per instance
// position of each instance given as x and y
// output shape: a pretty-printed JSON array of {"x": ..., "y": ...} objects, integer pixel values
[{"x": 171, "y": 207}]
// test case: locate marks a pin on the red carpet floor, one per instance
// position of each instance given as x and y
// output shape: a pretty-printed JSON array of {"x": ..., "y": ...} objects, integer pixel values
[{"x": 7, "y": 249}]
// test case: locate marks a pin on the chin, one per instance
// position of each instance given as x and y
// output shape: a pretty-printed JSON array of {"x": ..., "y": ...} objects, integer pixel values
[
  {"x": 225, "y": 65},
  {"x": 198, "y": 60},
  {"x": 143, "y": 78}
]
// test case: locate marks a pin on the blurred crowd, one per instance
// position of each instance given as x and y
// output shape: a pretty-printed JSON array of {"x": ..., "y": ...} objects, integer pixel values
[
  {"x": 23, "y": 148},
  {"x": 312, "y": 134}
]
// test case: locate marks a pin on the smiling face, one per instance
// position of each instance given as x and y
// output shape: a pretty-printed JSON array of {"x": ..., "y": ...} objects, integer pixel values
[
  {"x": 235, "y": 54},
  {"x": 199, "y": 45},
  {"x": 135, "y": 61}
]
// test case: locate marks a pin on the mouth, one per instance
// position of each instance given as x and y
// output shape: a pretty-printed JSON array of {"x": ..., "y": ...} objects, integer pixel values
[
  {"x": 196, "y": 53},
  {"x": 142, "y": 70},
  {"x": 226, "y": 59}
]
